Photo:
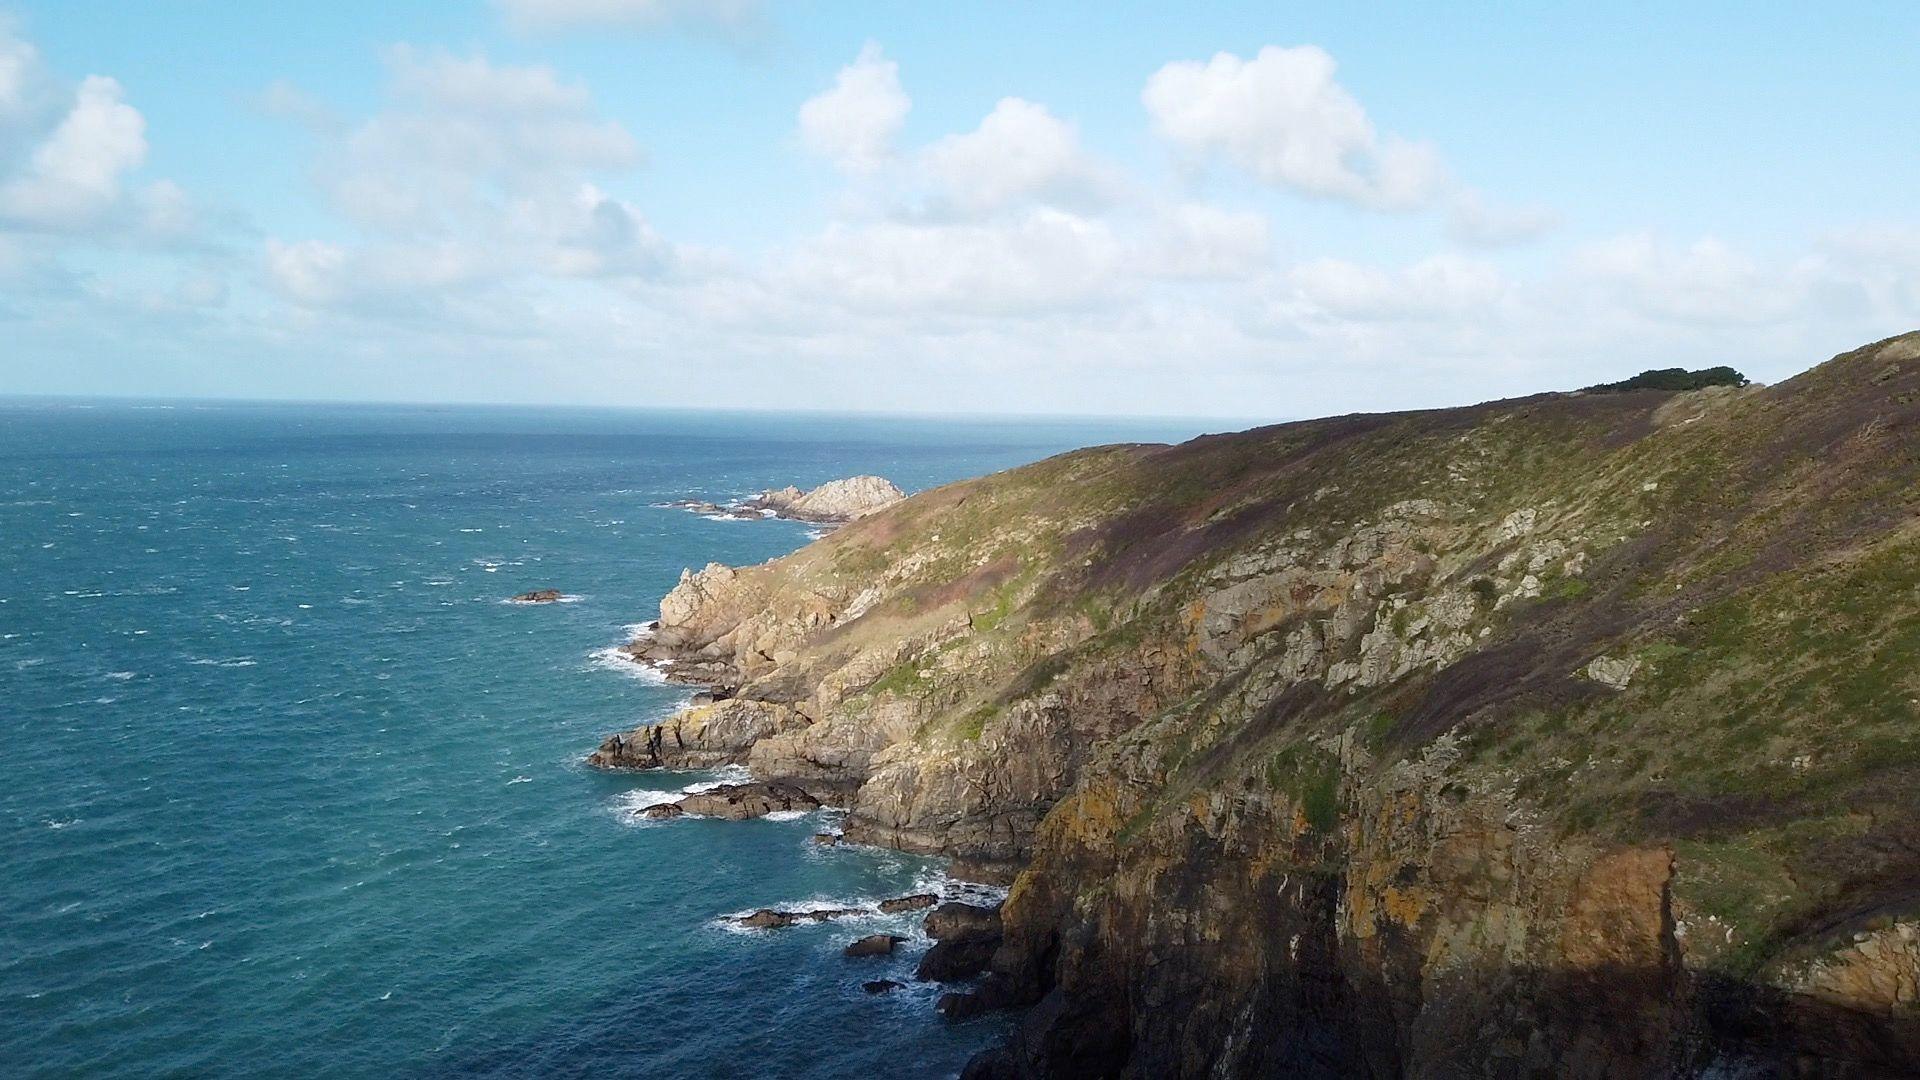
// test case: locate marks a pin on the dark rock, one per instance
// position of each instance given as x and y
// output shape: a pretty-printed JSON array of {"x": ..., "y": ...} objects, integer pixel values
[
  {"x": 539, "y": 596},
  {"x": 767, "y": 919},
  {"x": 874, "y": 945},
  {"x": 957, "y": 959},
  {"x": 738, "y": 802},
  {"x": 827, "y": 839},
  {"x": 881, "y": 986},
  {"x": 961, "y": 1006},
  {"x": 954, "y": 920},
  {"x": 662, "y": 811},
  {"x": 827, "y": 914},
  {"x": 907, "y": 903}
]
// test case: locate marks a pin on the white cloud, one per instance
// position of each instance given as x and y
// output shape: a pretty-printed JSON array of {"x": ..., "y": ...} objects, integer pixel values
[
  {"x": 1707, "y": 281},
  {"x": 853, "y": 124},
  {"x": 1019, "y": 151},
  {"x": 1282, "y": 117},
  {"x": 76, "y": 174},
  {"x": 474, "y": 178},
  {"x": 1194, "y": 240},
  {"x": 1043, "y": 261},
  {"x": 628, "y": 14},
  {"x": 1471, "y": 219},
  {"x": 1433, "y": 288}
]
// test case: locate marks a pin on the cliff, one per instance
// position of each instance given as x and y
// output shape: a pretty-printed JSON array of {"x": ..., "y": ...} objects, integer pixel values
[{"x": 1570, "y": 735}]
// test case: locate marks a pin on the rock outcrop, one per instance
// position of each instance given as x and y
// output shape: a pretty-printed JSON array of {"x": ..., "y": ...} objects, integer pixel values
[
  {"x": 539, "y": 596},
  {"x": 1570, "y": 735},
  {"x": 835, "y": 502}
]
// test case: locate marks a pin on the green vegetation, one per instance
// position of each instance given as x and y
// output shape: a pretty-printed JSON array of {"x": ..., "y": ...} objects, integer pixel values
[{"x": 1673, "y": 379}]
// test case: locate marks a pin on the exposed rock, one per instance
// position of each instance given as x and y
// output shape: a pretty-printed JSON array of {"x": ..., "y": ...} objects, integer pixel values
[
  {"x": 833, "y": 502},
  {"x": 767, "y": 919},
  {"x": 956, "y": 960},
  {"x": 738, "y": 802},
  {"x": 882, "y": 986},
  {"x": 965, "y": 938},
  {"x": 701, "y": 737},
  {"x": 954, "y": 920},
  {"x": 771, "y": 919},
  {"x": 874, "y": 945},
  {"x": 540, "y": 596},
  {"x": 1615, "y": 672},
  {"x": 1297, "y": 749},
  {"x": 908, "y": 903},
  {"x": 827, "y": 839},
  {"x": 661, "y": 811}
]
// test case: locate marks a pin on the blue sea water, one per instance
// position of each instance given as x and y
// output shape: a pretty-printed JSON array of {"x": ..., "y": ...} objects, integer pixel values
[{"x": 287, "y": 790}]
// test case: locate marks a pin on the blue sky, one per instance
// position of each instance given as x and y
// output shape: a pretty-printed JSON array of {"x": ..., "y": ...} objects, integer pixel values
[{"x": 1260, "y": 209}]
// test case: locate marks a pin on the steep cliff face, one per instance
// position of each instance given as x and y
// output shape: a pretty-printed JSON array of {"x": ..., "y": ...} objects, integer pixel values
[{"x": 1571, "y": 735}]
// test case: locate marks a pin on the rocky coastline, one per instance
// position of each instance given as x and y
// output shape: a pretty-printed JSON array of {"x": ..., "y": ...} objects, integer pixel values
[
  {"x": 1569, "y": 735},
  {"x": 831, "y": 504}
]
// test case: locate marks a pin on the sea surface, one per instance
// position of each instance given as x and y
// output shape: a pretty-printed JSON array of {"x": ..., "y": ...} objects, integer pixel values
[{"x": 287, "y": 789}]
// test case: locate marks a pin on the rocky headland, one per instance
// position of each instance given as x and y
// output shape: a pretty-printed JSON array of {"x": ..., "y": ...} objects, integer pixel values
[
  {"x": 1572, "y": 735},
  {"x": 833, "y": 503}
]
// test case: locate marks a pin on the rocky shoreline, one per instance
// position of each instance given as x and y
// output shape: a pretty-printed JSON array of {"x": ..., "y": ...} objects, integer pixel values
[{"x": 1569, "y": 735}]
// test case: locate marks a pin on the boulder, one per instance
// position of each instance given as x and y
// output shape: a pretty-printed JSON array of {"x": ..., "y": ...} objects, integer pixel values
[
  {"x": 662, "y": 811},
  {"x": 539, "y": 596},
  {"x": 827, "y": 839},
  {"x": 881, "y": 986},
  {"x": 874, "y": 945},
  {"x": 907, "y": 903}
]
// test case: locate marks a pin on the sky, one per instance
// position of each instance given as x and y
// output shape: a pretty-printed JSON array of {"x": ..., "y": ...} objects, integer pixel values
[{"x": 1241, "y": 210}]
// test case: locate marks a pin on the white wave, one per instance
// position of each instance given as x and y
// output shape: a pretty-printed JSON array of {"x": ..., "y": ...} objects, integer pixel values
[
  {"x": 121, "y": 675},
  {"x": 52, "y": 824},
  {"x": 230, "y": 662},
  {"x": 612, "y": 659},
  {"x": 520, "y": 780},
  {"x": 721, "y": 777},
  {"x": 786, "y": 815}
]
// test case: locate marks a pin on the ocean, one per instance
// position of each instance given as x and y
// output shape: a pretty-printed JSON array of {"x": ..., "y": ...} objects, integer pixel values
[{"x": 289, "y": 790}]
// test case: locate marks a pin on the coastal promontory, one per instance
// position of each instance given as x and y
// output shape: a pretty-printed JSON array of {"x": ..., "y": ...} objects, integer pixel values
[{"x": 1568, "y": 735}]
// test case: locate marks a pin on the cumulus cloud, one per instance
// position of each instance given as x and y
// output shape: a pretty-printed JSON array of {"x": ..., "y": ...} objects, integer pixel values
[
  {"x": 473, "y": 174},
  {"x": 77, "y": 173},
  {"x": 1282, "y": 117},
  {"x": 1020, "y": 151},
  {"x": 854, "y": 122}
]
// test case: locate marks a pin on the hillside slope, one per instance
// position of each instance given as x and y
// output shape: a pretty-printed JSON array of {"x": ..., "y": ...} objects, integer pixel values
[{"x": 1570, "y": 735}]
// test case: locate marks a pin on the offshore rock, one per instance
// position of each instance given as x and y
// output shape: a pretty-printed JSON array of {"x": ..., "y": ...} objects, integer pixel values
[
  {"x": 739, "y": 802},
  {"x": 873, "y": 945}
]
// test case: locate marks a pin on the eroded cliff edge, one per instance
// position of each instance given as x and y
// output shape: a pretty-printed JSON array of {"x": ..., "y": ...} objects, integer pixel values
[{"x": 1570, "y": 735}]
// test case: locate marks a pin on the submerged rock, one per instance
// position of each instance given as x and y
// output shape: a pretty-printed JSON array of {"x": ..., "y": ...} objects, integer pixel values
[
  {"x": 540, "y": 596},
  {"x": 827, "y": 839},
  {"x": 881, "y": 986}
]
